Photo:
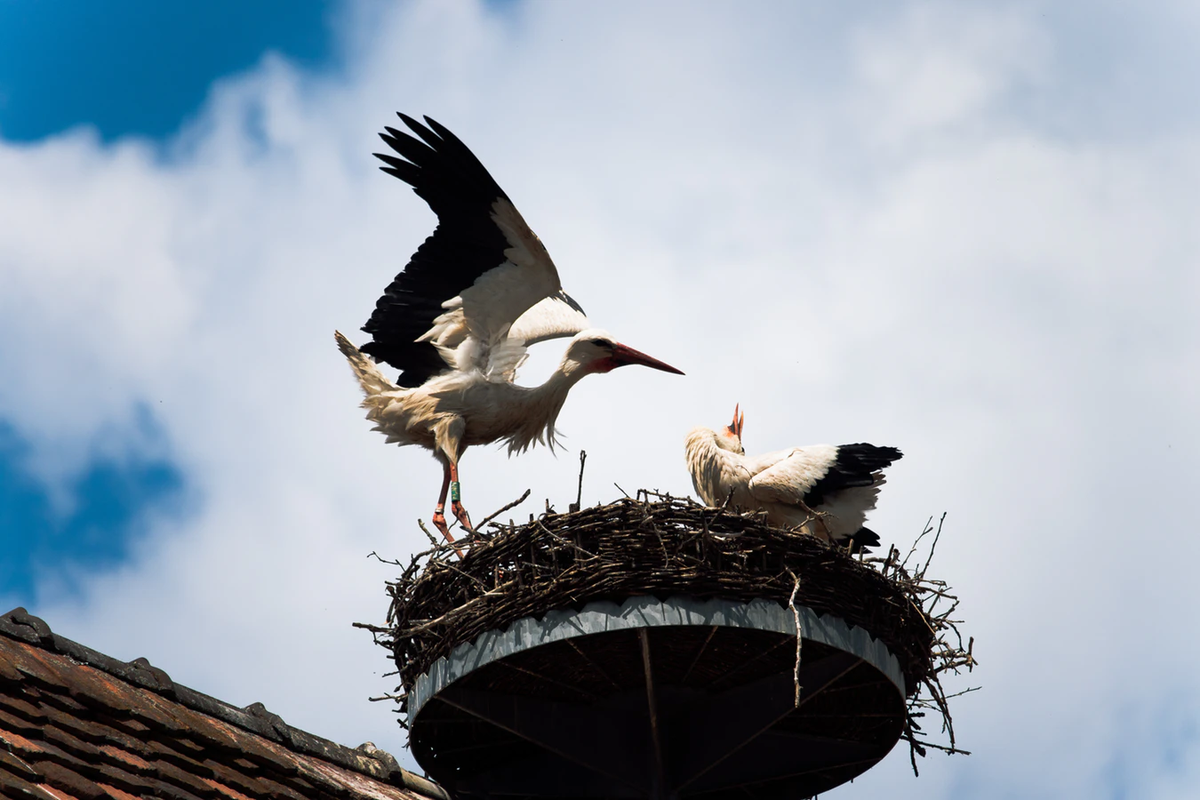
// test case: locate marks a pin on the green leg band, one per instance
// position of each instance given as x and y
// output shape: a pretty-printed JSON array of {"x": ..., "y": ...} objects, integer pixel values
[{"x": 455, "y": 495}]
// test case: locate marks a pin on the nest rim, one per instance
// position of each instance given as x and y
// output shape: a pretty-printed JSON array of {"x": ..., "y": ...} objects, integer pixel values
[
  {"x": 565, "y": 561},
  {"x": 647, "y": 611}
]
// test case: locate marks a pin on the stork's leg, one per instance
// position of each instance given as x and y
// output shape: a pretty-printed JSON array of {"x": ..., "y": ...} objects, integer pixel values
[
  {"x": 455, "y": 493},
  {"x": 439, "y": 518}
]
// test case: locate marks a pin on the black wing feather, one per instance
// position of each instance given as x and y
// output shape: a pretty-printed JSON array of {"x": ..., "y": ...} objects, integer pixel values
[
  {"x": 465, "y": 244},
  {"x": 853, "y": 466},
  {"x": 862, "y": 539}
]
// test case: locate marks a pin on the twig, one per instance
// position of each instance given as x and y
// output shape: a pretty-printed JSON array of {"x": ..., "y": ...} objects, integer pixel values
[
  {"x": 799, "y": 634},
  {"x": 921, "y": 572},
  {"x": 428, "y": 535},
  {"x": 389, "y": 696},
  {"x": 573, "y": 507},
  {"x": 928, "y": 529},
  {"x": 498, "y": 512}
]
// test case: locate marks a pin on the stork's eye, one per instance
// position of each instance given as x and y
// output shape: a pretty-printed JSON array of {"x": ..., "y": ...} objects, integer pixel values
[{"x": 600, "y": 342}]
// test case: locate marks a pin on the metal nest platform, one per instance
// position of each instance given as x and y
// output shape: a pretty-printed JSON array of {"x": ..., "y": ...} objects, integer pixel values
[{"x": 656, "y": 648}]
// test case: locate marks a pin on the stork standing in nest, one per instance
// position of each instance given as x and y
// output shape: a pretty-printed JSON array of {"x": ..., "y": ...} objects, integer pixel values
[
  {"x": 823, "y": 489},
  {"x": 457, "y": 320}
]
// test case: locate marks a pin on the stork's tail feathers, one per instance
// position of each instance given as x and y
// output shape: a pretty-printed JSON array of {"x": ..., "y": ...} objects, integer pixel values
[
  {"x": 369, "y": 377},
  {"x": 865, "y": 457}
]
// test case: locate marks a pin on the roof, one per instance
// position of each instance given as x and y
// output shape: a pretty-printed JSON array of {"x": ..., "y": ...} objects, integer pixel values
[{"x": 75, "y": 723}]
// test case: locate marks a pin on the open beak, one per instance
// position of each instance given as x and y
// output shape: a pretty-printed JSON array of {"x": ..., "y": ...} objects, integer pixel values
[
  {"x": 623, "y": 355},
  {"x": 735, "y": 427}
]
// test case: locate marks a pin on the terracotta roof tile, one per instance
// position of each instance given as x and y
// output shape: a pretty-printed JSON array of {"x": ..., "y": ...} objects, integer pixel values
[
  {"x": 16, "y": 766},
  {"x": 118, "y": 776},
  {"x": 76, "y": 724},
  {"x": 230, "y": 783},
  {"x": 71, "y": 744},
  {"x": 9, "y": 672},
  {"x": 13, "y": 722},
  {"x": 115, "y": 793},
  {"x": 128, "y": 760},
  {"x": 132, "y": 725},
  {"x": 228, "y": 792},
  {"x": 29, "y": 748},
  {"x": 66, "y": 778},
  {"x": 24, "y": 709},
  {"x": 13, "y": 787}
]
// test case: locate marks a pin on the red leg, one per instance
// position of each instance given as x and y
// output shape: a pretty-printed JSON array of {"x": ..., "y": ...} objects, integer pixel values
[
  {"x": 459, "y": 512},
  {"x": 439, "y": 517}
]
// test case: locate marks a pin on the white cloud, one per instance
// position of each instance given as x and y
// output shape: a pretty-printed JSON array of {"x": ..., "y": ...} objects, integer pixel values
[
  {"x": 939, "y": 67},
  {"x": 856, "y": 227}
]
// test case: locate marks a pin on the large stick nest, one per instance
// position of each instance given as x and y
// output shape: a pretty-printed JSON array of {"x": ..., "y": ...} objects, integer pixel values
[{"x": 663, "y": 546}]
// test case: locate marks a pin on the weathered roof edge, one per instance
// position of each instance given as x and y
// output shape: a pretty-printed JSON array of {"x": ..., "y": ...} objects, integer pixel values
[{"x": 365, "y": 759}]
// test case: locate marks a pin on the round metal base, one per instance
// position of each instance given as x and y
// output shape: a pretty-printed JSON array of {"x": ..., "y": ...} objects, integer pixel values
[{"x": 652, "y": 698}]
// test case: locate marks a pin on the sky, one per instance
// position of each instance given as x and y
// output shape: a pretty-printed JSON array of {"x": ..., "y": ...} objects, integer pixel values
[{"x": 966, "y": 230}]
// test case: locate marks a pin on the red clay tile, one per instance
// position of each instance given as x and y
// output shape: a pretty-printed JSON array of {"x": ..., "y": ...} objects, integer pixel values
[
  {"x": 116, "y": 794},
  {"x": 21, "y": 707},
  {"x": 103, "y": 728},
  {"x": 114, "y": 775},
  {"x": 17, "y": 742},
  {"x": 16, "y": 765},
  {"x": 62, "y": 701},
  {"x": 8, "y": 671},
  {"x": 66, "y": 779},
  {"x": 236, "y": 776},
  {"x": 126, "y": 759},
  {"x": 56, "y": 792},
  {"x": 189, "y": 780},
  {"x": 131, "y": 725},
  {"x": 228, "y": 791},
  {"x": 67, "y": 742},
  {"x": 279, "y": 790},
  {"x": 13, "y": 787},
  {"x": 88, "y": 730},
  {"x": 45, "y": 669},
  {"x": 16, "y": 723}
]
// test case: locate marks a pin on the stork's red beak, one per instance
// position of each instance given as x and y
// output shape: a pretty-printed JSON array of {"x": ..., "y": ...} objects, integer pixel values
[
  {"x": 735, "y": 427},
  {"x": 623, "y": 355}
]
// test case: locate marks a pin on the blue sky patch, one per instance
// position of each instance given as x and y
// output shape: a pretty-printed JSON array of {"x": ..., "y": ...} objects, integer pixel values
[
  {"x": 108, "y": 499},
  {"x": 134, "y": 67}
]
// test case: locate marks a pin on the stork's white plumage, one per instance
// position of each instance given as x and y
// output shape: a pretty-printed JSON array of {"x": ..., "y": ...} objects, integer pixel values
[
  {"x": 825, "y": 490},
  {"x": 457, "y": 320}
]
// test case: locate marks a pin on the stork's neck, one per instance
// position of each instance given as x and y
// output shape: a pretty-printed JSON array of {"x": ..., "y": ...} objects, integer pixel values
[
  {"x": 553, "y": 393},
  {"x": 540, "y": 406},
  {"x": 710, "y": 465},
  {"x": 702, "y": 447}
]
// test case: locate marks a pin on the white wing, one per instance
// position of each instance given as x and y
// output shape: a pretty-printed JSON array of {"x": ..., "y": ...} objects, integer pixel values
[
  {"x": 488, "y": 308},
  {"x": 786, "y": 476},
  {"x": 555, "y": 317}
]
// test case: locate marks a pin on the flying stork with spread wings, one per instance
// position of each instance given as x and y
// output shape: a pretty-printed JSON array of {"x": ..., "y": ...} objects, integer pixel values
[{"x": 457, "y": 320}]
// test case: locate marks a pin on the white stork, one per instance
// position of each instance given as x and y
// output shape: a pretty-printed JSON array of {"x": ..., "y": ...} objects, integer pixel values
[
  {"x": 457, "y": 320},
  {"x": 823, "y": 489}
]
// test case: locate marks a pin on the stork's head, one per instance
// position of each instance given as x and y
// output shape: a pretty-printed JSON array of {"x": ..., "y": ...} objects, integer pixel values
[
  {"x": 595, "y": 350},
  {"x": 730, "y": 437}
]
